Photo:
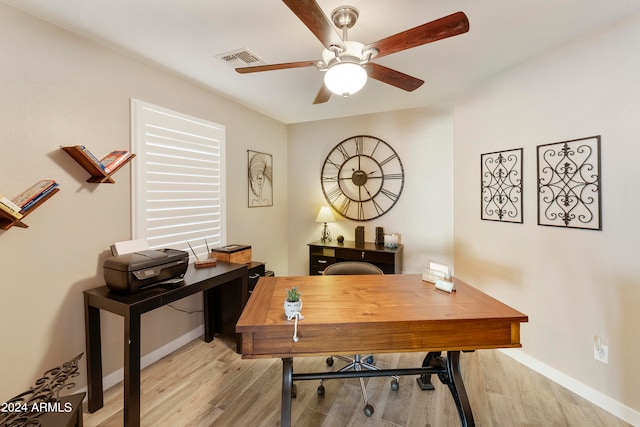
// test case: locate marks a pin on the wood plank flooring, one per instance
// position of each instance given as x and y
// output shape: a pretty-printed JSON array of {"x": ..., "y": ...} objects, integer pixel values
[{"x": 207, "y": 384}]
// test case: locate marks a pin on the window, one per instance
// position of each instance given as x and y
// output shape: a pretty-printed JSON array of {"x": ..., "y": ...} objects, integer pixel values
[{"x": 178, "y": 179}]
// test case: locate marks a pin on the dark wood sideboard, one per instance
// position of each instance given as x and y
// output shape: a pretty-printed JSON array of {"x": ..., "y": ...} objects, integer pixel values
[{"x": 321, "y": 254}]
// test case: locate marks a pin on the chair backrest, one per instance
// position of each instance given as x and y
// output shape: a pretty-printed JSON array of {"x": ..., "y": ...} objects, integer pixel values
[{"x": 351, "y": 268}]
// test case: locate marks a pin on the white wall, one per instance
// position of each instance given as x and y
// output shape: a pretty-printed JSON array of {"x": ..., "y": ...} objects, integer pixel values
[
  {"x": 423, "y": 214},
  {"x": 572, "y": 283},
  {"x": 60, "y": 89}
]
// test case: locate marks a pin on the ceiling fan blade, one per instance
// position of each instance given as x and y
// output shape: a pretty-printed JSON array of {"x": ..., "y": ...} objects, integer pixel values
[
  {"x": 323, "y": 95},
  {"x": 312, "y": 16},
  {"x": 270, "y": 67},
  {"x": 393, "y": 77},
  {"x": 448, "y": 26}
]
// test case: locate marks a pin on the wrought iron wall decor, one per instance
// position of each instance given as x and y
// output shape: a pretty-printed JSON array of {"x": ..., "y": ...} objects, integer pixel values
[
  {"x": 501, "y": 186},
  {"x": 23, "y": 410},
  {"x": 569, "y": 184}
]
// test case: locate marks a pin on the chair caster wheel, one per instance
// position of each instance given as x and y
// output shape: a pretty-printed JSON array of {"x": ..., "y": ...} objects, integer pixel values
[
  {"x": 321, "y": 390},
  {"x": 368, "y": 410},
  {"x": 370, "y": 360},
  {"x": 329, "y": 361},
  {"x": 395, "y": 385}
]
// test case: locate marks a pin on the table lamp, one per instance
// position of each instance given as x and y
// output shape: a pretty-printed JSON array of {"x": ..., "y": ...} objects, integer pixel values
[{"x": 325, "y": 215}]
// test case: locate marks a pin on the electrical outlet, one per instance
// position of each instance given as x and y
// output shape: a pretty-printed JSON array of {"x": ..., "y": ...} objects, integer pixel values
[{"x": 600, "y": 349}]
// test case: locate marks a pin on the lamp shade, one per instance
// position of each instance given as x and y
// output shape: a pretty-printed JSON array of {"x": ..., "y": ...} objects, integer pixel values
[
  {"x": 325, "y": 215},
  {"x": 345, "y": 78}
]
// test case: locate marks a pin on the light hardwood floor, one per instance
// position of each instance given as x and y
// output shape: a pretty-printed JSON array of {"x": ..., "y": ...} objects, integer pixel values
[{"x": 208, "y": 384}]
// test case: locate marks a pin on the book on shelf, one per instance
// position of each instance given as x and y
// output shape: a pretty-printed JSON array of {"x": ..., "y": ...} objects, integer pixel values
[
  {"x": 36, "y": 191},
  {"x": 112, "y": 160},
  {"x": 91, "y": 157},
  {"x": 39, "y": 197},
  {"x": 10, "y": 208}
]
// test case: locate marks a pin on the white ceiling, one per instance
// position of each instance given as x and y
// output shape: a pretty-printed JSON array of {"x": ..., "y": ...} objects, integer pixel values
[{"x": 186, "y": 35}]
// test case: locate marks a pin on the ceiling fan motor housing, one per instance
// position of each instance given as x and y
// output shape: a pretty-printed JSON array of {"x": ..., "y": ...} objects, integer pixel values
[{"x": 352, "y": 53}]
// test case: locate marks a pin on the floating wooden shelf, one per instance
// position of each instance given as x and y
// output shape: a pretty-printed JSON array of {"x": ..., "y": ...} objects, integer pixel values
[
  {"x": 98, "y": 175},
  {"x": 7, "y": 221}
]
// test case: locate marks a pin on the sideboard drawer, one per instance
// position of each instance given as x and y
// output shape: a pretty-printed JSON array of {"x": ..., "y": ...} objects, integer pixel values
[
  {"x": 317, "y": 263},
  {"x": 368, "y": 256},
  {"x": 322, "y": 260},
  {"x": 255, "y": 271}
]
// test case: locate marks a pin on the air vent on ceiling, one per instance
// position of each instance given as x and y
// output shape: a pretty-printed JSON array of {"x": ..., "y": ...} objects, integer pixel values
[{"x": 241, "y": 58}]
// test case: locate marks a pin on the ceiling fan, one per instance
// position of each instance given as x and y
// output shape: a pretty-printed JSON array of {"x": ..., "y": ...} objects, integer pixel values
[{"x": 346, "y": 63}]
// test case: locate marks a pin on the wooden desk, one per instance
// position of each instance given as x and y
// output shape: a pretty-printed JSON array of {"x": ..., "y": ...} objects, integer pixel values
[
  {"x": 376, "y": 314},
  {"x": 131, "y": 308}
]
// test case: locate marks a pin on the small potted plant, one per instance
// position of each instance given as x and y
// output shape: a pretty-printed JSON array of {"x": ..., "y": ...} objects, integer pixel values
[{"x": 292, "y": 303}]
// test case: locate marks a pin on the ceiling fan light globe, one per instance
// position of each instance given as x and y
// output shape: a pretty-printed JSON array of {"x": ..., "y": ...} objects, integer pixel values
[{"x": 345, "y": 78}]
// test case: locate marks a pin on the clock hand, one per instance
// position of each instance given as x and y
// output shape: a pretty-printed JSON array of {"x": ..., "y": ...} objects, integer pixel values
[
  {"x": 374, "y": 176},
  {"x": 367, "y": 190}
]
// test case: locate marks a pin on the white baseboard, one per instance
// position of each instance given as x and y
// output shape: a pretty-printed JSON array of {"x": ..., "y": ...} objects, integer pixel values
[
  {"x": 148, "y": 359},
  {"x": 592, "y": 395}
]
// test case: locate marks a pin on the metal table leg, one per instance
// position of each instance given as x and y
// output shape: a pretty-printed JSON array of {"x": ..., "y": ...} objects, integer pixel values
[
  {"x": 433, "y": 359},
  {"x": 453, "y": 379},
  {"x": 447, "y": 368},
  {"x": 287, "y": 383}
]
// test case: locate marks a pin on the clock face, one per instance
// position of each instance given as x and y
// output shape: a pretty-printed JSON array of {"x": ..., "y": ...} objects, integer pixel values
[{"x": 362, "y": 178}]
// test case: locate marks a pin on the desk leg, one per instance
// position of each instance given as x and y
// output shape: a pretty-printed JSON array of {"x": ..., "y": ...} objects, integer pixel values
[
  {"x": 287, "y": 384},
  {"x": 94, "y": 356},
  {"x": 456, "y": 386},
  {"x": 132, "y": 369},
  {"x": 431, "y": 360},
  {"x": 208, "y": 303}
]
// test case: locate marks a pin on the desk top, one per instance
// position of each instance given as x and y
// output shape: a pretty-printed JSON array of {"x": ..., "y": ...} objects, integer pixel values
[
  {"x": 386, "y": 313},
  {"x": 195, "y": 280}
]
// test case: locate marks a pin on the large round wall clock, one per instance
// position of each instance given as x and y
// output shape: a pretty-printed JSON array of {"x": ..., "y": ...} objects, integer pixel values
[{"x": 362, "y": 177}]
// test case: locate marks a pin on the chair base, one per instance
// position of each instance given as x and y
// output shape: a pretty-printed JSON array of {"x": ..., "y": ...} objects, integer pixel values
[{"x": 358, "y": 363}]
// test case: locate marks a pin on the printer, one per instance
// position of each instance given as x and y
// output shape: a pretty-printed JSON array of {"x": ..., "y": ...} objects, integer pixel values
[{"x": 132, "y": 272}]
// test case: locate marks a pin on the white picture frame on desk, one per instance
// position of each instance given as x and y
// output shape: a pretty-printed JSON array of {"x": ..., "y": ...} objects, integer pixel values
[{"x": 436, "y": 271}]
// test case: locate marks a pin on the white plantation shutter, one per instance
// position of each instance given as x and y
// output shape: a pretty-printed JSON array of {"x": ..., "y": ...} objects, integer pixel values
[{"x": 178, "y": 179}]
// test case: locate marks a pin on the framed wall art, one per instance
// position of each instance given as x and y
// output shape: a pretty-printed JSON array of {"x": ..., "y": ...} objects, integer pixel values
[
  {"x": 260, "y": 178},
  {"x": 501, "y": 186},
  {"x": 569, "y": 184}
]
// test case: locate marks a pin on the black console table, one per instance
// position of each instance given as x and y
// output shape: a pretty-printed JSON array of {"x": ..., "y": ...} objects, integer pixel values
[
  {"x": 321, "y": 254},
  {"x": 131, "y": 307}
]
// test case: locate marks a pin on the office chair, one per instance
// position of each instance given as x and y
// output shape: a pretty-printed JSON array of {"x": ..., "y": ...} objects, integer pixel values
[{"x": 359, "y": 362}]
